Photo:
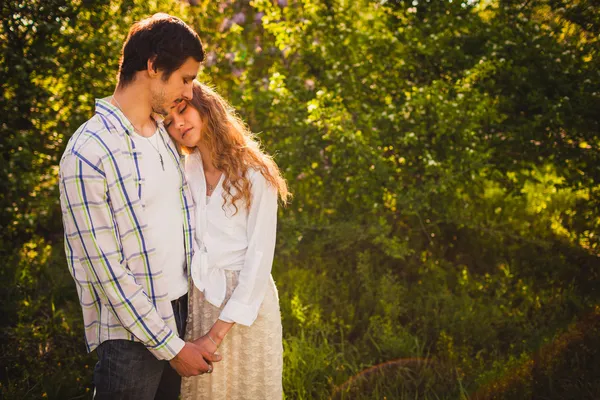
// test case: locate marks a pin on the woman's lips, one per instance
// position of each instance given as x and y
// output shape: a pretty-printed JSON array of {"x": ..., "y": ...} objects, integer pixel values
[{"x": 185, "y": 132}]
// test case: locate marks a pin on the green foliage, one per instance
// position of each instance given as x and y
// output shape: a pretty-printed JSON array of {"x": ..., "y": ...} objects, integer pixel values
[{"x": 443, "y": 157}]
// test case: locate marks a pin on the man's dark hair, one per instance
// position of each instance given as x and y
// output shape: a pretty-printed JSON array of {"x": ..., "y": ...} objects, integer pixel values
[{"x": 162, "y": 37}]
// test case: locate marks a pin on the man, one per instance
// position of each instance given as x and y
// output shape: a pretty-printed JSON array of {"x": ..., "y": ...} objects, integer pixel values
[{"x": 127, "y": 214}]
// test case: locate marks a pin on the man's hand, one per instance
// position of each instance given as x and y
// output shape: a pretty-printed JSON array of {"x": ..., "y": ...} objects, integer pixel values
[{"x": 193, "y": 360}]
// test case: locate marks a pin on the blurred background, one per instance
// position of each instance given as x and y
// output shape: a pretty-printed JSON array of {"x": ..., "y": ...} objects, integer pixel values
[{"x": 443, "y": 240}]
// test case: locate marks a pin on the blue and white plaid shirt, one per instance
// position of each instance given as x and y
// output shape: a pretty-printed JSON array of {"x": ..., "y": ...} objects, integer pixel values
[{"x": 121, "y": 288}]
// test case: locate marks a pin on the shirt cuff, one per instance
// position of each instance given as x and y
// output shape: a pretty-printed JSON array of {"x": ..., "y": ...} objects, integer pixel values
[
  {"x": 167, "y": 351},
  {"x": 240, "y": 313},
  {"x": 225, "y": 319}
]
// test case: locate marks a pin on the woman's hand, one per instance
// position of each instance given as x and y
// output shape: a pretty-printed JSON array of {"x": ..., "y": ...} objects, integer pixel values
[
  {"x": 211, "y": 341},
  {"x": 206, "y": 343}
]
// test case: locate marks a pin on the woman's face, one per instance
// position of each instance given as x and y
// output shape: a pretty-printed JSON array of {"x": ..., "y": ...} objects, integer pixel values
[{"x": 184, "y": 124}]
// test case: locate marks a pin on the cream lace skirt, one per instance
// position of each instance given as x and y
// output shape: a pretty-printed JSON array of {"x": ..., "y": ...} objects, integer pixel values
[{"x": 252, "y": 360}]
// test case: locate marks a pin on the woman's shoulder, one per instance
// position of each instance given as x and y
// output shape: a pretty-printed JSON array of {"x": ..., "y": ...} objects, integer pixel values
[
  {"x": 192, "y": 165},
  {"x": 258, "y": 181},
  {"x": 255, "y": 176},
  {"x": 192, "y": 161}
]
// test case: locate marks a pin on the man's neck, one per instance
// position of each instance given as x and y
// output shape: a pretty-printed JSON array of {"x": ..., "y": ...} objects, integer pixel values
[{"x": 134, "y": 101}]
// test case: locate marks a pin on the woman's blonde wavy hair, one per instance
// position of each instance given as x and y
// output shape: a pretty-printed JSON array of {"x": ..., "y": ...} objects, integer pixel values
[{"x": 234, "y": 149}]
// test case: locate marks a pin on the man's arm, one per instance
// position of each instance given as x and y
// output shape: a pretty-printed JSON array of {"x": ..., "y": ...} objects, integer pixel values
[{"x": 95, "y": 243}]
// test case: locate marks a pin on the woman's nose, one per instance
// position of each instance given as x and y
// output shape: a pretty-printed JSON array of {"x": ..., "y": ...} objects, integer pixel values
[{"x": 177, "y": 121}]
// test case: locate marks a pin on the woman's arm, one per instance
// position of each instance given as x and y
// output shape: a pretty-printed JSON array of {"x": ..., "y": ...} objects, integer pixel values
[
  {"x": 219, "y": 330},
  {"x": 254, "y": 277},
  {"x": 212, "y": 340},
  {"x": 246, "y": 299}
]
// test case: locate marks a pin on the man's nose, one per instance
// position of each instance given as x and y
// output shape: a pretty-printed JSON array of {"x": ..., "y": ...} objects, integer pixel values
[{"x": 188, "y": 92}]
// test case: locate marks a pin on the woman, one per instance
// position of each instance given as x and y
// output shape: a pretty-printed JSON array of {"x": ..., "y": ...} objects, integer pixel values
[{"x": 233, "y": 306}]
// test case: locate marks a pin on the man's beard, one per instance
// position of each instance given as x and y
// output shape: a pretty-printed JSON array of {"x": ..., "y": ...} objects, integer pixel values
[{"x": 158, "y": 103}]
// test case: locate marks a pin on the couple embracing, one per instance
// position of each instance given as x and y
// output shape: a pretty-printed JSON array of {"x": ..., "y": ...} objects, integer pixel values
[{"x": 170, "y": 209}]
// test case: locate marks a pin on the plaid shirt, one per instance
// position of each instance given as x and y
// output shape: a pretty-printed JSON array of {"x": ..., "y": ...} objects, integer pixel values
[{"x": 122, "y": 291}]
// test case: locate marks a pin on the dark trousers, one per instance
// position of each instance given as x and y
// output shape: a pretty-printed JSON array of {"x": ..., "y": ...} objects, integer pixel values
[{"x": 126, "y": 370}]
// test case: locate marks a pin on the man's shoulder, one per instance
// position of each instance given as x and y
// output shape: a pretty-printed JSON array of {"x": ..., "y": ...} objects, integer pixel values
[{"x": 91, "y": 141}]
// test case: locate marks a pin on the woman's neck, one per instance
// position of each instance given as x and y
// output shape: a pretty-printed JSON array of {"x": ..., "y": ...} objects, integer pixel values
[{"x": 207, "y": 161}]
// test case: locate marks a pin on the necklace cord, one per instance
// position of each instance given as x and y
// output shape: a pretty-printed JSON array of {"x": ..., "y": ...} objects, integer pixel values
[{"x": 156, "y": 148}]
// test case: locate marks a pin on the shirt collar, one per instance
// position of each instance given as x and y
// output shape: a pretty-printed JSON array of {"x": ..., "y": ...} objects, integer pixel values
[{"x": 116, "y": 117}]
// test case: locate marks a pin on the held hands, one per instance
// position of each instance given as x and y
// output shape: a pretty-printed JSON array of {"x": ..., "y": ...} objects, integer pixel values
[
  {"x": 206, "y": 342},
  {"x": 195, "y": 358}
]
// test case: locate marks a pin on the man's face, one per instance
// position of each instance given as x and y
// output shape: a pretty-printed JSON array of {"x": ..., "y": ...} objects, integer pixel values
[{"x": 166, "y": 94}]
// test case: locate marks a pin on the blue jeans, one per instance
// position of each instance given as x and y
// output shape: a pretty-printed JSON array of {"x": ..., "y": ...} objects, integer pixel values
[{"x": 126, "y": 370}]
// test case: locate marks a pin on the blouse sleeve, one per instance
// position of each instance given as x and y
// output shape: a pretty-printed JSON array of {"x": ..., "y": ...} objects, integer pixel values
[{"x": 255, "y": 275}]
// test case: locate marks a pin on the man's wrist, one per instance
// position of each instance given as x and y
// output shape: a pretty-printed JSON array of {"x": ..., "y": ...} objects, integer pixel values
[{"x": 177, "y": 344}]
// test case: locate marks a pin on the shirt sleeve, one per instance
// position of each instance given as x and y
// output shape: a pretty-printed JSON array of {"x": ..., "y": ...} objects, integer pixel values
[
  {"x": 94, "y": 239},
  {"x": 255, "y": 275}
]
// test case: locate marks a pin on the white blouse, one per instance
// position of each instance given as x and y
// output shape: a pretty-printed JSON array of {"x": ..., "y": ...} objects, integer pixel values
[{"x": 224, "y": 241}]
